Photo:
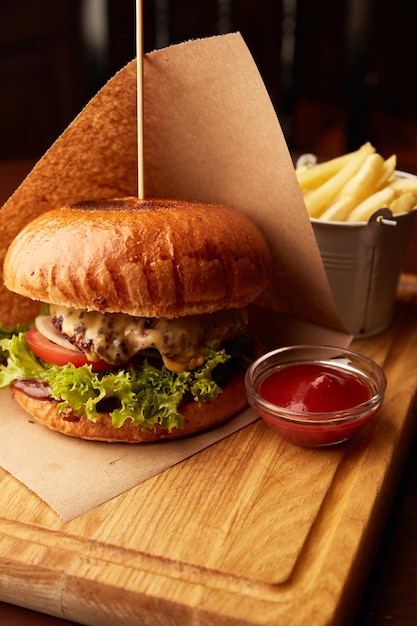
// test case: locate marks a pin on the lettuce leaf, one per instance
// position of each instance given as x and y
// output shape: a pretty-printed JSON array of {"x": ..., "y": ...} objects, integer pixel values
[
  {"x": 7, "y": 333},
  {"x": 148, "y": 396},
  {"x": 19, "y": 360}
]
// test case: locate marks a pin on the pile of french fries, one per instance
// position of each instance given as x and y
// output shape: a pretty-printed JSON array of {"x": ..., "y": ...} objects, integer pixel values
[{"x": 350, "y": 188}]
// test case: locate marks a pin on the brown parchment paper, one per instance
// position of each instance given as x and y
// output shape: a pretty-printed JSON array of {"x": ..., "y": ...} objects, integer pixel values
[
  {"x": 75, "y": 476},
  {"x": 210, "y": 134}
]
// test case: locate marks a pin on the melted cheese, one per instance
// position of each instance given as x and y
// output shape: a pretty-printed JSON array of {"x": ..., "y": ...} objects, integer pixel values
[{"x": 116, "y": 337}]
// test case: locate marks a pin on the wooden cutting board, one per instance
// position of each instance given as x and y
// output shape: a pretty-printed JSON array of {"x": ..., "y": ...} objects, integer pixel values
[{"x": 250, "y": 531}]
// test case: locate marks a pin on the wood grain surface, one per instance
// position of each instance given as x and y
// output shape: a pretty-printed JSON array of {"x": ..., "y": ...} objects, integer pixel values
[{"x": 250, "y": 531}]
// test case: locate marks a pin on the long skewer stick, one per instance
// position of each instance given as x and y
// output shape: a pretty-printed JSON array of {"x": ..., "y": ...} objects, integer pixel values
[{"x": 139, "y": 61}]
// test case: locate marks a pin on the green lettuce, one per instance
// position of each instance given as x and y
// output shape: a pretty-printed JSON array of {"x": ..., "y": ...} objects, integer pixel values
[
  {"x": 18, "y": 360},
  {"x": 7, "y": 333},
  {"x": 148, "y": 396}
]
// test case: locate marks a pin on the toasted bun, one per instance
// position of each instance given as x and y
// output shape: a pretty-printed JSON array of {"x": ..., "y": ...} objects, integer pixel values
[
  {"x": 147, "y": 258},
  {"x": 197, "y": 417}
]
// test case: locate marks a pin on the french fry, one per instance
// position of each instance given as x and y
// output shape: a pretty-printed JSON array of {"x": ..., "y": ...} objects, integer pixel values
[
  {"x": 404, "y": 203},
  {"x": 357, "y": 189},
  {"x": 402, "y": 185},
  {"x": 379, "y": 200},
  {"x": 312, "y": 177},
  {"x": 353, "y": 186},
  {"x": 388, "y": 172},
  {"x": 324, "y": 195}
]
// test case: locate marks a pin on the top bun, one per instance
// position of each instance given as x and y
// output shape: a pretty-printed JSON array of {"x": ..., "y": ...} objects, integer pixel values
[{"x": 147, "y": 258}]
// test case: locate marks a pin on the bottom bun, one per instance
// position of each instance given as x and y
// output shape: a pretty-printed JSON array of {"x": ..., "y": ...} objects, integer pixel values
[{"x": 197, "y": 417}]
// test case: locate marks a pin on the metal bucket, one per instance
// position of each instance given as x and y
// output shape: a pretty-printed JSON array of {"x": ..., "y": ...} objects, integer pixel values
[{"x": 363, "y": 262}]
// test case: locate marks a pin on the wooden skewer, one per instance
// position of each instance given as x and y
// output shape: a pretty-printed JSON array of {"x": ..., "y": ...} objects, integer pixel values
[{"x": 139, "y": 60}]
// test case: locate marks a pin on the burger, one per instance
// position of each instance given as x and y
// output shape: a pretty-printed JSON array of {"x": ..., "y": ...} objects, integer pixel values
[{"x": 143, "y": 326}]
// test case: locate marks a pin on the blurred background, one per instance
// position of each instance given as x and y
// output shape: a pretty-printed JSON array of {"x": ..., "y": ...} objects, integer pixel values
[{"x": 338, "y": 72}]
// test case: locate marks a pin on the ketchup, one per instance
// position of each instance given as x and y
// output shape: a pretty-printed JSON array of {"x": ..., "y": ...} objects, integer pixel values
[{"x": 314, "y": 388}]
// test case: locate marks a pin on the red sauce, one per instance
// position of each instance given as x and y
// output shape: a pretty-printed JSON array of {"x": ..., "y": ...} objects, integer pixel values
[{"x": 314, "y": 388}]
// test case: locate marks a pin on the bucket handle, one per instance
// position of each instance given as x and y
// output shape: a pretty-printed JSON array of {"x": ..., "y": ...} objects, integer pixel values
[{"x": 383, "y": 216}]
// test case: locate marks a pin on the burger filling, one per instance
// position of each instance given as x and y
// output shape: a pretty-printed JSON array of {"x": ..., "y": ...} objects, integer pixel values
[
  {"x": 117, "y": 337},
  {"x": 152, "y": 367}
]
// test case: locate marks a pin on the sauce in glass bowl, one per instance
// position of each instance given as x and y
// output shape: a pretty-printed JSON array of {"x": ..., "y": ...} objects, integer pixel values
[
  {"x": 314, "y": 388},
  {"x": 315, "y": 395}
]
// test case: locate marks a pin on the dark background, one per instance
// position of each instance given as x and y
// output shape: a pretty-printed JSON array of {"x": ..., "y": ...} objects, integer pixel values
[{"x": 339, "y": 72}]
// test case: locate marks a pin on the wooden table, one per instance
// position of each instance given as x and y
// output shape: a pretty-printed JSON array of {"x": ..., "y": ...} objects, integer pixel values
[
  {"x": 390, "y": 593},
  {"x": 257, "y": 570},
  {"x": 389, "y": 597}
]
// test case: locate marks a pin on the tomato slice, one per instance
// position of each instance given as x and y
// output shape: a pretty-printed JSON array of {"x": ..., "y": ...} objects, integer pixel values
[{"x": 58, "y": 355}]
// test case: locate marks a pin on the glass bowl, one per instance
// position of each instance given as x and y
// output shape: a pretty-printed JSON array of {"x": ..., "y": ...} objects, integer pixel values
[{"x": 315, "y": 395}]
